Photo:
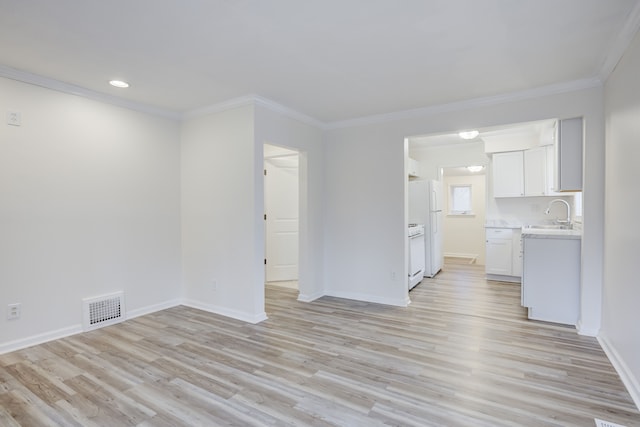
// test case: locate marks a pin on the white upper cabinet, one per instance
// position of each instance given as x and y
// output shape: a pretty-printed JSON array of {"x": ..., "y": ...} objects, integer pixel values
[
  {"x": 524, "y": 173},
  {"x": 414, "y": 168},
  {"x": 568, "y": 176},
  {"x": 535, "y": 172},
  {"x": 508, "y": 174}
]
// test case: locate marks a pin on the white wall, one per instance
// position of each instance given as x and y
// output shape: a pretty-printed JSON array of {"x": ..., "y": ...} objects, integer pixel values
[
  {"x": 620, "y": 334},
  {"x": 365, "y": 204},
  {"x": 222, "y": 200},
  {"x": 223, "y": 207},
  {"x": 431, "y": 159},
  {"x": 89, "y": 204},
  {"x": 464, "y": 235},
  {"x": 274, "y": 128},
  {"x": 365, "y": 221}
]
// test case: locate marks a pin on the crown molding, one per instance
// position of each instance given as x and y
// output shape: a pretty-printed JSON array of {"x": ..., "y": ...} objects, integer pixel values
[
  {"x": 469, "y": 104},
  {"x": 229, "y": 104},
  {"x": 254, "y": 100},
  {"x": 620, "y": 44},
  {"x": 286, "y": 111},
  {"x": 59, "y": 86}
]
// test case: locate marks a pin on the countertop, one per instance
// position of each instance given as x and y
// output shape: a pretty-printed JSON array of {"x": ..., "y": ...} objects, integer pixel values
[
  {"x": 540, "y": 233},
  {"x": 502, "y": 223},
  {"x": 536, "y": 233}
]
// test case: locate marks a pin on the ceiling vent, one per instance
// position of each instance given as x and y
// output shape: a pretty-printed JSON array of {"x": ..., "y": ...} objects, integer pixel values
[{"x": 102, "y": 311}]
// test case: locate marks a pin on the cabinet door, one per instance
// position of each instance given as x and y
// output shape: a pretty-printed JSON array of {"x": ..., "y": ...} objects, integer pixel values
[
  {"x": 508, "y": 174},
  {"x": 516, "y": 256},
  {"x": 498, "y": 257},
  {"x": 569, "y": 155},
  {"x": 535, "y": 172}
]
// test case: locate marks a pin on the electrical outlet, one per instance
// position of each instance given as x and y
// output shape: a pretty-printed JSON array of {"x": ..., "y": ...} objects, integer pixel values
[
  {"x": 14, "y": 118},
  {"x": 13, "y": 311}
]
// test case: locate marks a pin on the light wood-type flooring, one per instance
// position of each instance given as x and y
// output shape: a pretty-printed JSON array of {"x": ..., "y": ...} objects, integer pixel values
[{"x": 462, "y": 354}]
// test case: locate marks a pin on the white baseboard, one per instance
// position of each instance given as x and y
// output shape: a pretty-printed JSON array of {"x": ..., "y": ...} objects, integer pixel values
[
  {"x": 400, "y": 302},
  {"x": 582, "y": 330},
  {"x": 630, "y": 381},
  {"x": 153, "y": 308},
  {"x": 501, "y": 278},
  {"x": 39, "y": 338},
  {"x": 471, "y": 257},
  {"x": 76, "y": 329},
  {"x": 309, "y": 297},
  {"x": 223, "y": 311}
]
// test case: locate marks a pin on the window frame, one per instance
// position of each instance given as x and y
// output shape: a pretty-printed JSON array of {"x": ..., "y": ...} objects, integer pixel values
[{"x": 452, "y": 211}]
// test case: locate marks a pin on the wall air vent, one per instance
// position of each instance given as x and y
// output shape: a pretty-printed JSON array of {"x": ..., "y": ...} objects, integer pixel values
[
  {"x": 600, "y": 423},
  {"x": 103, "y": 310}
]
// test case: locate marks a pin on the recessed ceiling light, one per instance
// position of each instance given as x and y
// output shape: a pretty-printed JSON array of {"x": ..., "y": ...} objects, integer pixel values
[
  {"x": 470, "y": 134},
  {"x": 119, "y": 83},
  {"x": 475, "y": 168}
]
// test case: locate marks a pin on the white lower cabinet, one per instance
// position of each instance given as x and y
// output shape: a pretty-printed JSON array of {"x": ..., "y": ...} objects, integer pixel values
[
  {"x": 516, "y": 253},
  {"x": 503, "y": 253},
  {"x": 551, "y": 279}
]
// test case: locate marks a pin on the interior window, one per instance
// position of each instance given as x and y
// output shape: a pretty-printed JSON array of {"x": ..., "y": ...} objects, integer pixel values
[{"x": 460, "y": 199}]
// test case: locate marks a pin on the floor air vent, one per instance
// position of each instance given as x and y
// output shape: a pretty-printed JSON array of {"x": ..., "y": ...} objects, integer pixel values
[
  {"x": 103, "y": 310},
  {"x": 600, "y": 423}
]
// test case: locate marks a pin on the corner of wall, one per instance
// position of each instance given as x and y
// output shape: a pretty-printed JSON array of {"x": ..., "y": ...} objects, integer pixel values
[{"x": 626, "y": 375}]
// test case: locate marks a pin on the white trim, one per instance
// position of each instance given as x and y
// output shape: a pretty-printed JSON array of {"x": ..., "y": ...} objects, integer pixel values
[
  {"x": 403, "y": 302},
  {"x": 57, "y": 85},
  {"x": 631, "y": 383},
  {"x": 219, "y": 107},
  {"x": 223, "y": 311},
  {"x": 77, "y": 329},
  {"x": 468, "y": 104},
  {"x": 471, "y": 257},
  {"x": 153, "y": 308},
  {"x": 286, "y": 111},
  {"x": 309, "y": 297},
  {"x": 553, "y": 89},
  {"x": 585, "y": 331},
  {"x": 619, "y": 46},
  {"x": 253, "y": 100},
  {"x": 503, "y": 278},
  {"x": 40, "y": 338}
]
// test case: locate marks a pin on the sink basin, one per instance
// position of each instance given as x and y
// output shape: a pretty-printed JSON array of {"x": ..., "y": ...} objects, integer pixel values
[{"x": 550, "y": 226}]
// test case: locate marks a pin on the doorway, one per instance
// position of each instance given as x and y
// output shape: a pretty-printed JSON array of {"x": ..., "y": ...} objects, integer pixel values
[
  {"x": 464, "y": 220},
  {"x": 281, "y": 191}
]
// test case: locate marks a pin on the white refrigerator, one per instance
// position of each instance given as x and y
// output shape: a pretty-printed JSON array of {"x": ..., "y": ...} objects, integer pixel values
[{"x": 425, "y": 207}]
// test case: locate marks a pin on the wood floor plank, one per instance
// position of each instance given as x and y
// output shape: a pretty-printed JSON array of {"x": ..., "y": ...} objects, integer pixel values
[{"x": 462, "y": 354}]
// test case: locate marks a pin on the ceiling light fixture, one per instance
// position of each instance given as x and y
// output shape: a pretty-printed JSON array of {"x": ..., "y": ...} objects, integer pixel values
[
  {"x": 475, "y": 168},
  {"x": 469, "y": 134},
  {"x": 119, "y": 83}
]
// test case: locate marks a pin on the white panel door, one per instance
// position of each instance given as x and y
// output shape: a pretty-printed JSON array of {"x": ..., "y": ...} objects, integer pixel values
[{"x": 281, "y": 209}]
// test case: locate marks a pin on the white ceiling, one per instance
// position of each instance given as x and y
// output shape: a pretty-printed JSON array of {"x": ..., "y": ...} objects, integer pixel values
[{"x": 332, "y": 60}]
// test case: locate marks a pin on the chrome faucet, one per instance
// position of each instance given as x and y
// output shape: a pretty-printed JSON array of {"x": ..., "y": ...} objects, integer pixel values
[{"x": 561, "y": 221}]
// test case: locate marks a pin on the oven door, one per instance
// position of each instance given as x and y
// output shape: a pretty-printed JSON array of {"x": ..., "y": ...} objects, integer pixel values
[{"x": 416, "y": 259}]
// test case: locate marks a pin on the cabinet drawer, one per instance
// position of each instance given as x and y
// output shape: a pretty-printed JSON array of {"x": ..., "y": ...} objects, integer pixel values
[{"x": 499, "y": 233}]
